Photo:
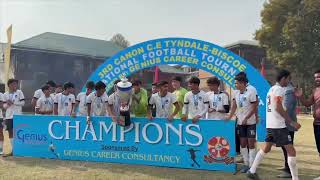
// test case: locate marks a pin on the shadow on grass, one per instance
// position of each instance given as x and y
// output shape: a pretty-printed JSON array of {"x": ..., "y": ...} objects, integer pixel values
[{"x": 265, "y": 171}]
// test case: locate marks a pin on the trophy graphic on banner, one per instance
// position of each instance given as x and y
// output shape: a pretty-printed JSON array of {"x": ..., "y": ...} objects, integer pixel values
[{"x": 124, "y": 92}]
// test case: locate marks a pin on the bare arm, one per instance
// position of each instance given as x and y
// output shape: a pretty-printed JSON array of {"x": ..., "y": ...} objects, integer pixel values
[
  {"x": 284, "y": 114},
  {"x": 253, "y": 110},
  {"x": 307, "y": 102},
  {"x": 88, "y": 109},
  {"x": 177, "y": 109},
  {"x": 233, "y": 109},
  {"x": 34, "y": 102},
  {"x": 55, "y": 109}
]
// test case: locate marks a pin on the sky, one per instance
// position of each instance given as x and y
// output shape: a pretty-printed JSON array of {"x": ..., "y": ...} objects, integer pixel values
[{"x": 217, "y": 21}]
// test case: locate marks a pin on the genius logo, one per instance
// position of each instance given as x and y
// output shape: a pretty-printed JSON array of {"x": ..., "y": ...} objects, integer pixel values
[{"x": 26, "y": 136}]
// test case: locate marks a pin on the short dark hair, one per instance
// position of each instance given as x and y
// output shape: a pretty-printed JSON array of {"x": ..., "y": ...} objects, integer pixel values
[
  {"x": 194, "y": 80},
  {"x": 241, "y": 79},
  {"x": 242, "y": 74},
  {"x": 213, "y": 80},
  {"x": 68, "y": 85},
  {"x": 177, "y": 78},
  {"x": 136, "y": 83},
  {"x": 90, "y": 85},
  {"x": 51, "y": 83},
  {"x": 10, "y": 81},
  {"x": 282, "y": 74},
  {"x": 45, "y": 87},
  {"x": 317, "y": 71},
  {"x": 155, "y": 84},
  {"x": 162, "y": 83},
  {"x": 100, "y": 85}
]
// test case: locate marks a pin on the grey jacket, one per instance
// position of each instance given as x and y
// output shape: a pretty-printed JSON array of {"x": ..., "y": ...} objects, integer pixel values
[{"x": 290, "y": 103}]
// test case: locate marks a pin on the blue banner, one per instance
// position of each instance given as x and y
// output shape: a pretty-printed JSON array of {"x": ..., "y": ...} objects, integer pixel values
[
  {"x": 209, "y": 144},
  {"x": 185, "y": 51}
]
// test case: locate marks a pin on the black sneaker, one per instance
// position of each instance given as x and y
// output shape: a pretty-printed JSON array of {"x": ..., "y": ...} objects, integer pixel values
[
  {"x": 252, "y": 175},
  {"x": 244, "y": 169},
  {"x": 7, "y": 155}
]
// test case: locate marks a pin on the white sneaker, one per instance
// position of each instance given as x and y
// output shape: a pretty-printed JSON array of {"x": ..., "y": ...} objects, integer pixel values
[{"x": 318, "y": 178}]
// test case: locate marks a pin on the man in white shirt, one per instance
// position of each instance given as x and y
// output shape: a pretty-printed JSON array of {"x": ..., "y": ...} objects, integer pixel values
[
  {"x": 13, "y": 102},
  {"x": 164, "y": 102},
  {"x": 45, "y": 103},
  {"x": 97, "y": 102},
  {"x": 64, "y": 102},
  {"x": 196, "y": 102},
  {"x": 245, "y": 105},
  {"x": 218, "y": 100},
  {"x": 277, "y": 132},
  {"x": 81, "y": 100},
  {"x": 39, "y": 93},
  {"x": 1, "y": 124}
]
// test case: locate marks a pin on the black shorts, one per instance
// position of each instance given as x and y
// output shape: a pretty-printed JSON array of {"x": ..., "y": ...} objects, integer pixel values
[
  {"x": 280, "y": 137},
  {"x": 9, "y": 124},
  {"x": 247, "y": 131}
]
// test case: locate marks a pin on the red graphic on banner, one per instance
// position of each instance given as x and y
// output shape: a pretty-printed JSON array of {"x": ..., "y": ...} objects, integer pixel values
[{"x": 218, "y": 148}]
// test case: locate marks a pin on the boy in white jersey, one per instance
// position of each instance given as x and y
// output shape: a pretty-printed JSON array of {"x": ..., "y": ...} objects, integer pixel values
[
  {"x": 39, "y": 93},
  {"x": 13, "y": 102},
  {"x": 196, "y": 102},
  {"x": 97, "y": 102},
  {"x": 164, "y": 102},
  {"x": 81, "y": 100},
  {"x": 64, "y": 102},
  {"x": 218, "y": 100},
  {"x": 244, "y": 104},
  {"x": 277, "y": 132},
  {"x": 45, "y": 103},
  {"x": 1, "y": 124}
]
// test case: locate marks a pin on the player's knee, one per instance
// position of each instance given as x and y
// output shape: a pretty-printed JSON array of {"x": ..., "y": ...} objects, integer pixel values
[
  {"x": 266, "y": 149},
  {"x": 291, "y": 152}
]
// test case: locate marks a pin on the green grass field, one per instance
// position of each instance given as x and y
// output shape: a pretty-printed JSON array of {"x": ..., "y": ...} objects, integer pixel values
[{"x": 32, "y": 168}]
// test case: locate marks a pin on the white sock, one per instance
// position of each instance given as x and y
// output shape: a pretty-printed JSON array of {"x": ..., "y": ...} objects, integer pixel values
[
  {"x": 257, "y": 161},
  {"x": 292, "y": 162},
  {"x": 245, "y": 155},
  {"x": 252, "y": 155}
]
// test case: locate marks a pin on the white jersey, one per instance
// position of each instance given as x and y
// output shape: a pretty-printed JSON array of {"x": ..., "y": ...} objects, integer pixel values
[
  {"x": 245, "y": 103},
  {"x": 82, "y": 100},
  {"x": 164, "y": 105},
  {"x": 45, "y": 103},
  {"x": 98, "y": 104},
  {"x": 18, "y": 101},
  {"x": 1, "y": 101},
  {"x": 114, "y": 100},
  {"x": 65, "y": 103},
  {"x": 274, "y": 119},
  {"x": 38, "y": 94},
  {"x": 217, "y": 102},
  {"x": 195, "y": 104}
]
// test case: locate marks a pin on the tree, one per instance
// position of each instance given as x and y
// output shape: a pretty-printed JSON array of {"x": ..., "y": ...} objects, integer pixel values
[
  {"x": 290, "y": 33},
  {"x": 120, "y": 40}
]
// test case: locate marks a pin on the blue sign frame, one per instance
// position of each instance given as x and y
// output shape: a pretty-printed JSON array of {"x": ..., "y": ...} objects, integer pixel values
[
  {"x": 208, "y": 145},
  {"x": 185, "y": 51}
]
